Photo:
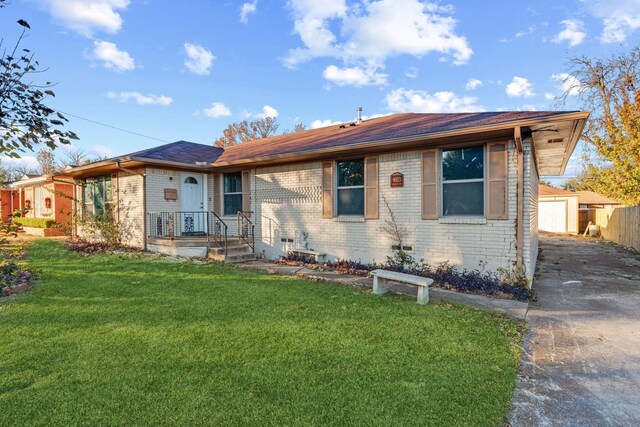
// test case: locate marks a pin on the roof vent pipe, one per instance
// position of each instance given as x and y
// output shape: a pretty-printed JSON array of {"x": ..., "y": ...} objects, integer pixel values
[{"x": 359, "y": 111}]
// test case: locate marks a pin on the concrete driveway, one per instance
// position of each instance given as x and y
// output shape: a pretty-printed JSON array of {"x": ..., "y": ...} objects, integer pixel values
[{"x": 582, "y": 351}]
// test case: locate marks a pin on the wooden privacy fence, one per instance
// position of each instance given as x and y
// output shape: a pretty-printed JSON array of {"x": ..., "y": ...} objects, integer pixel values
[
  {"x": 620, "y": 225},
  {"x": 584, "y": 217}
]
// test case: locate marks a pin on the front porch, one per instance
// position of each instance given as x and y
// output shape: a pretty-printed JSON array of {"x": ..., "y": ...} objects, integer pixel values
[{"x": 201, "y": 234}]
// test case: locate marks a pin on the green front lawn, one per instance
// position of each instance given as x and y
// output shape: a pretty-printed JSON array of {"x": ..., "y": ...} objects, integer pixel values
[{"x": 131, "y": 340}]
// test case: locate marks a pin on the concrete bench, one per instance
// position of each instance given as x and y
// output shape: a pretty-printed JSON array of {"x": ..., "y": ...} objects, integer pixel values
[
  {"x": 319, "y": 257},
  {"x": 380, "y": 278}
]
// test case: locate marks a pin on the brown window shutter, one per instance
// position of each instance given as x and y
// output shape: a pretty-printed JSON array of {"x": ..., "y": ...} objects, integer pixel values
[
  {"x": 217, "y": 194},
  {"x": 497, "y": 181},
  {"x": 430, "y": 184},
  {"x": 371, "y": 187},
  {"x": 327, "y": 190},
  {"x": 246, "y": 193}
]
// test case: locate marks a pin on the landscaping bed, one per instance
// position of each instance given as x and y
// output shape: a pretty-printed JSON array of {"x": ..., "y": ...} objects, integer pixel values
[
  {"x": 14, "y": 277},
  {"x": 123, "y": 339},
  {"x": 502, "y": 284}
]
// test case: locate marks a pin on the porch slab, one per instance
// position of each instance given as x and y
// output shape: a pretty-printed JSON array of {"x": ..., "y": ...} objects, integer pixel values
[{"x": 181, "y": 251}]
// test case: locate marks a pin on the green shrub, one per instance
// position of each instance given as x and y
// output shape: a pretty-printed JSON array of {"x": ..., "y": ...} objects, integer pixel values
[{"x": 35, "y": 222}]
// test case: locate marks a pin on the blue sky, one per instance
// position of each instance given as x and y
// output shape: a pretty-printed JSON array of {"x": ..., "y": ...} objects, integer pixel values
[{"x": 185, "y": 70}]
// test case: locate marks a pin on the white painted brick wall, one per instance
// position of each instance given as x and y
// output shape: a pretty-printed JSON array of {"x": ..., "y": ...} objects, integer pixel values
[
  {"x": 287, "y": 199},
  {"x": 131, "y": 215},
  {"x": 129, "y": 212},
  {"x": 157, "y": 181}
]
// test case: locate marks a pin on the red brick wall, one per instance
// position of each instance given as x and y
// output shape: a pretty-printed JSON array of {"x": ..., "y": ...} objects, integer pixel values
[
  {"x": 63, "y": 203},
  {"x": 5, "y": 204}
]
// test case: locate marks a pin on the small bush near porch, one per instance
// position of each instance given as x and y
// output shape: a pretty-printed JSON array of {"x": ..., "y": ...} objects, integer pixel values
[{"x": 131, "y": 340}]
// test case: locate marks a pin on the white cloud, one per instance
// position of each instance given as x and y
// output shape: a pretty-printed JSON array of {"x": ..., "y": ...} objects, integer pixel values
[
  {"x": 549, "y": 96},
  {"x": 323, "y": 123},
  {"x": 24, "y": 162},
  {"x": 520, "y": 86},
  {"x": 366, "y": 34},
  {"x": 620, "y": 18},
  {"x": 88, "y": 16},
  {"x": 101, "y": 150},
  {"x": 267, "y": 111},
  {"x": 573, "y": 32},
  {"x": 412, "y": 72},
  {"x": 419, "y": 101},
  {"x": 354, "y": 76},
  {"x": 140, "y": 98},
  {"x": 530, "y": 30},
  {"x": 526, "y": 107},
  {"x": 199, "y": 59},
  {"x": 111, "y": 57},
  {"x": 473, "y": 84},
  {"x": 567, "y": 83},
  {"x": 247, "y": 9},
  {"x": 217, "y": 110}
]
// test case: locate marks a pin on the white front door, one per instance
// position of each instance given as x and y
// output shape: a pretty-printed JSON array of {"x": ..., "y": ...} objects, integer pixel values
[
  {"x": 193, "y": 217},
  {"x": 552, "y": 216}
]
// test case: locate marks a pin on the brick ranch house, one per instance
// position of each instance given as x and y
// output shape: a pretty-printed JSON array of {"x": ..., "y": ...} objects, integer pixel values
[
  {"x": 464, "y": 185},
  {"x": 39, "y": 196}
]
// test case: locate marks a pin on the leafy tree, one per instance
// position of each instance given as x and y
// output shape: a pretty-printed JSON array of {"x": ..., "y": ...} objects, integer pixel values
[
  {"x": 237, "y": 133},
  {"x": 610, "y": 89},
  {"x": 47, "y": 162},
  {"x": 25, "y": 120}
]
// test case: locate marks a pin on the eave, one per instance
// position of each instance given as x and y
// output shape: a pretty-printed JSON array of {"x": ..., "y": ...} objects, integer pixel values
[{"x": 423, "y": 140}]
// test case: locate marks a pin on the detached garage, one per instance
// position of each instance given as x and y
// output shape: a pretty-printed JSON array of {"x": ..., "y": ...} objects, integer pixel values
[{"x": 557, "y": 210}]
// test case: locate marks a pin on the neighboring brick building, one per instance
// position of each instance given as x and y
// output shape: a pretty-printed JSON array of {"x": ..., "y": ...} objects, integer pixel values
[
  {"x": 42, "y": 196},
  {"x": 465, "y": 186}
]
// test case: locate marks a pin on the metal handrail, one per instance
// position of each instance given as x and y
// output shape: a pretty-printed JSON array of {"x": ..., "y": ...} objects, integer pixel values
[
  {"x": 204, "y": 224},
  {"x": 221, "y": 234},
  {"x": 246, "y": 229}
]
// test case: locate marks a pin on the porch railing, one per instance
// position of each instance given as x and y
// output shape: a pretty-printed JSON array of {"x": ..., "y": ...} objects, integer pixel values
[
  {"x": 188, "y": 224},
  {"x": 246, "y": 229}
]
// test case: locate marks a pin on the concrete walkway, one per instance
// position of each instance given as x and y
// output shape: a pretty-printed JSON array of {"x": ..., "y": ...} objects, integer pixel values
[
  {"x": 511, "y": 308},
  {"x": 582, "y": 351}
]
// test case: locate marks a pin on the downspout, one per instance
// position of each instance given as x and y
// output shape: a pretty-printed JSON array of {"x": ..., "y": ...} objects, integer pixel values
[
  {"x": 517, "y": 137},
  {"x": 144, "y": 200}
]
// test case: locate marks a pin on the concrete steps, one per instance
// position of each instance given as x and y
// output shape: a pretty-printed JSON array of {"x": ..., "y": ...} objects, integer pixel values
[{"x": 237, "y": 251}]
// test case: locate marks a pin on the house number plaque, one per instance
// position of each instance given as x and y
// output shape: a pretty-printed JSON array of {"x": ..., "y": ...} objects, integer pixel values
[
  {"x": 397, "y": 180},
  {"x": 170, "y": 194}
]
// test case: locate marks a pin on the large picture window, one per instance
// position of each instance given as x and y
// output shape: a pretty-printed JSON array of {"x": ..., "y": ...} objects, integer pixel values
[
  {"x": 350, "y": 192},
  {"x": 463, "y": 181},
  {"x": 232, "y": 193},
  {"x": 97, "y": 195}
]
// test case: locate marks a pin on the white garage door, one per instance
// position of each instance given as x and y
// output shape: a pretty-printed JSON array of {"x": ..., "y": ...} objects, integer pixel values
[{"x": 552, "y": 216}]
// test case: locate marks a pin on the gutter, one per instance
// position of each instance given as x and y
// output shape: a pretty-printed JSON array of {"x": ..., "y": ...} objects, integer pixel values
[
  {"x": 118, "y": 160},
  {"x": 517, "y": 137}
]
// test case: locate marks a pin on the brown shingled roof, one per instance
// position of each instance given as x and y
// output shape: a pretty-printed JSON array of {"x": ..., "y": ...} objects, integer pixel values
[
  {"x": 181, "y": 152},
  {"x": 545, "y": 190},
  {"x": 396, "y": 126},
  {"x": 591, "y": 198}
]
